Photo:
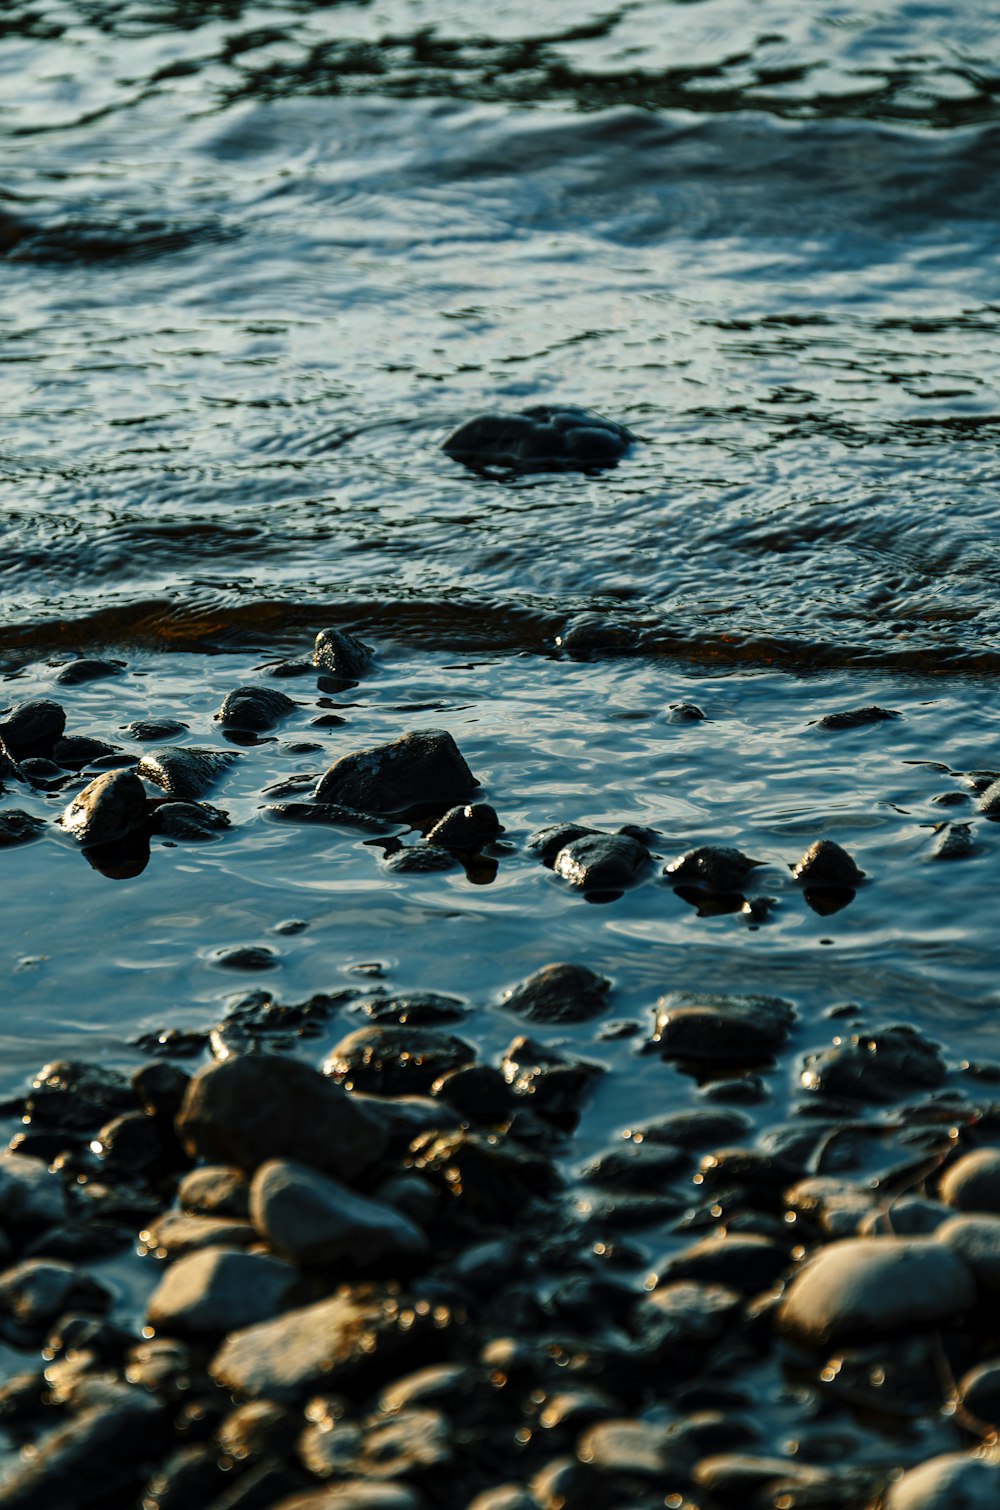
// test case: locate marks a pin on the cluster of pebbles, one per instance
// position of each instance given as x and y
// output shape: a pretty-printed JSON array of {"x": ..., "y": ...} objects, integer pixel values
[{"x": 383, "y": 1281}]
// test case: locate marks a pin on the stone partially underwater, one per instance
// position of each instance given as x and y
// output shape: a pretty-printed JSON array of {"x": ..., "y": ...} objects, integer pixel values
[{"x": 544, "y": 438}]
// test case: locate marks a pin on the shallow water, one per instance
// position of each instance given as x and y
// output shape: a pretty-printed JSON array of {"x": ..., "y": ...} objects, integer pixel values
[{"x": 258, "y": 262}]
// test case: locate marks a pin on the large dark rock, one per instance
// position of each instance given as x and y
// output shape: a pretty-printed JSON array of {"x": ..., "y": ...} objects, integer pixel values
[
  {"x": 76, "y": 673},
  {"x": 252, "y": 710},
  {"x": 78, "y": 750},
  {"x": 396, "y": 1061},
  {"x": 601, "y": 862},
  {"x": 341, "y": 654},
  {"x": 559, "y": 993},
  {"x": 467, "y": 827},
  {"x": 877, "y": 1066},
  {"x": 424, "y": 767},
  {"x": 32, "y": 728},
  {"x": 184, "y": 771},
  {"x": 825, "y": 863},
  {"x": 713, "y": 866},
  {"x": 247, "y": 1110},
  {"x": 547, "y": 842},
  {"x": 737, "y": 1029},
  {"x": 976, "y": 1240},
  {"x": 743, "y": 1261},
  {"x": 545, "y": 437},
  {"x": 862, "y": 1287},
  {"x": 109, "y": 808},
  {"x": 314, "y": 1219}
]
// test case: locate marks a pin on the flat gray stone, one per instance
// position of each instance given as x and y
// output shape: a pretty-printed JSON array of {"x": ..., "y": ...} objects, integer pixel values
[
  {"x": 316, "y": 1220},
  {"x": 219, "y": 1290},
  {"x": 863, "y": 1287}
]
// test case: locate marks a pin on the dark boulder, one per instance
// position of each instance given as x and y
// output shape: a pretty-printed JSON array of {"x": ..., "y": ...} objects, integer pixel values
[
  {"x": 32, "y": 728},
  {"x": 185, "y": 772},
  {"x": 559, "y": 993},
  {"x": 109, "y": 808},
  {"x": 713, "y": 866},
  {"x": 543, "y": 438},
  {"x": 601, "y": 862},
  {"x": 341, "y": 654},
  {"x": 825, "y": 863},
  {"x": 423, "y": 767},
  {"x": 252, "y": 710}
]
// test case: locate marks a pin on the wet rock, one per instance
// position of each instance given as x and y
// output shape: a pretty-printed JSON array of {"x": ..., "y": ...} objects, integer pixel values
[
  {"x": 504, "y": 1497},
  {"x": 953, "y": 1481},
  {"x": 490, "y": 1181},
  {"x": 559, "y": 993},
  {"x": 159, "y": 1090},
  {"x": 629, "y": 1449},
  {"x": 314, "y": 1219},
  {"x": 735, "y": 1029},
  {"x": 249, "y": 957},
  {"x": 31, "y": 1196},
  {"x": 424, "y": 767},
  {"x": 361, "y": 1334},
  {"x": 593, "y": 633},
  {"x": 31, "y": 728},
  {"x": 445, "y": 1385},
  {"x": 79, "y": 750},
  {"x": 759, "y": 1176},
  {"x": 554, "y": 1083},
  {"x": 685, "y": 713},
  {"x": 954, "y": 841},
  {"x": 253, "y": 710},
  {"x": 19, "y": 827},
  {"x": 184, "y": 771},
  {"x": 341, "y": 654},
  {"x": 468, "y": 827},
  {"x": 327, "y": 814},
  {"x": 355, "y": 1494},
  {"x": 34, "y": 1292},
  {"x": 215, "y": 1190},
  {"x": 189, "y": 820},
  {"x": 478, "y": 1093},
  {"x": 420, "y": 1009},
  {"x": 129, "y": 1144},
  {"x": 420, "y": 859},
  {"x": 189, "y": 1476},
  {"x": 217, "y": 1290},
  {"x": 393, "y": 1061},
  {"x": 632, "y": 1166},
  {"x": 601, "y": 862},
  {"x": 878, "y": 1066},
  {"x": 177, "y": 1233},
  {"x": 742, "y": 1262},
  {"x": 151, "y": 729},
  {"x": 712, "y": 866},
  {"x": 684, "y": 1317},
  {"x": 544, "y": 438},
  {"x": 989, "y": 800},
  {"x": 306, "y": 1117},
  {"x": 736, "y": 1480},
  {"x": 109, "y": 808},
  {"x": 978, "y": 1390},
  {"x": 76, "y": 673},
  {"x": 972, "y": 1183},
  {"x": 976, "y": 1240},
  {"x": 825, "y": 863},
  {"x": 909, "y": 1216},
  {"x": 252, "y": 1430},
  {"x": 72, "y": 1094},
  {"x": 856, "y": 718},
  {"x": 697, "y": 1129},
  {"x": 94, "y": 1460},
  {"x": 547, "y": 842},
  {"x": 864, "y": 1286}
]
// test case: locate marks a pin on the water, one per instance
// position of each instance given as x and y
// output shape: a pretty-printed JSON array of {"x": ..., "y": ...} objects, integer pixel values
[{"x": 259, "y": 260}]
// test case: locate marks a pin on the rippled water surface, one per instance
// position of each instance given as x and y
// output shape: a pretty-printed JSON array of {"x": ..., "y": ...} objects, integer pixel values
[{"x": 259, "y": 260}]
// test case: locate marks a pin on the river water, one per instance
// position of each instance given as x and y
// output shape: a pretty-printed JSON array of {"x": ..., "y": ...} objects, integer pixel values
[{"x": 259, "y": 260}]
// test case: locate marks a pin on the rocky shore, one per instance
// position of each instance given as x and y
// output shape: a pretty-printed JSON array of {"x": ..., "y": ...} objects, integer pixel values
[{"x": 383, "y": 1276}]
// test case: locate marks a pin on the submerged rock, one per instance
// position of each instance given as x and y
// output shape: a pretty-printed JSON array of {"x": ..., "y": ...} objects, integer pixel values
[
  {"x": 954, "y": 841},
  {"x": 989, "y": 800},
  {"x": 75, "y": 673},
  {"x": 18, "y": 827},
  {"x": 545, "y": 437},
  {"x": 739, "y": 1029},
  {"x": 559, "y": 993},
  {"x": 856, "y": 718},
  {"x": 547, "y": 842},
  {"x": 468, "y": 827},
  {"x": 245, "y": 1111},
  {"x": 877, "y": 1066},
  {"x": 425, "y": 766},
  {"x": 826, "y": 864},
  {"x": 314, "y": 1219},
  {"x": 420, "y": 1009},
  {"x": 341, "y": 654},
  {"x": 865, "y": 1286},
  {"x": 32, "y": 728},
  {"x": 184, "y": 771},
  {"x": 254, "y": 709},
  {"x": 189, "y": 820},
  {"x": 601, "y": 862},
  {"x": 593, "y": 633},
  {"x": 150, "y": 729},
  {"x": 713, "y": 866},
  {"x": 420, "y": 859},
  {"x": 331, "y": 814},
  {"x": 109, "y": 808},
  {"x": 77, "y": 750}
]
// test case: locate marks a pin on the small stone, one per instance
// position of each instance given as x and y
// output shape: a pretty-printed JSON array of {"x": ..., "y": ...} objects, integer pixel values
[
  {"x": 555, "y": 1085},
  {"x": 559, "y": 994},
  {"x": 395, "y": 1061},
  {"x": 327, "y": 814},
  {"x": 738, "y": 1029},
  {"x": 424, "y": 767},
  {"x": 177, "y": 1233},
  {"x": 215, "y": 1190},
  {"x": 18, "y": 827},
  {"x": 907, "y": 1216},
  {"x": 32, "y": 728},
  {"x": 742, "y": 1262},
  {"x": 151, "y": 729},
  {"x": 477, "y": 1092},
  {"x": 972, "y": 1183},
  {"x": 953, "y": 1481},
  {"x": 878, "y": 1066},
  {"x": 217, "y": 1290},
  {"x": 420, "y": 1009},
  {"x": 355, "y": 1494},
  {"x": 976, "y": 1240},
  {"x": 468, "y": 827},
  {"x": 601, "y": 862},
  {"x": 698, "y": 1129},
  {"x": 420, "y": 859},
  {"x": 712, "y": 866},
  {"x": 635, "y": 1449},
  {"x": 253, "y": 710},
  {"x": 75, "y": 673},
  {"x": 862, "y": 1287},
  {"x": 989, "y": 800},
  {"x": 189, "y": 820},
  {"x": 954, "y": 841},
  {"x": 249, "y": 957},
  {"x": 184, "y": 771},
  {"x": 547, "y": 842},
  {"x": 110, "y": 807},
  {"x": 247, "y": 1110},
  {"x": 79, "y": 750},
  {"x": 856, "y": 718},
  {"x": 545, "y": 437},
  {"x": 685, "y": 1316},
  {"x": 72, "y": 1094},
  {"x": 341, "y": 654},
  {"x": 314, "y": 1219},
  {"x": 489, "y": 1180},
  {"x": 826, "y": 864},
  {"x": 685, "y": 713},
  {"x": 636, "y": 1167},
  {"x": 34, "y": 1292}
]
